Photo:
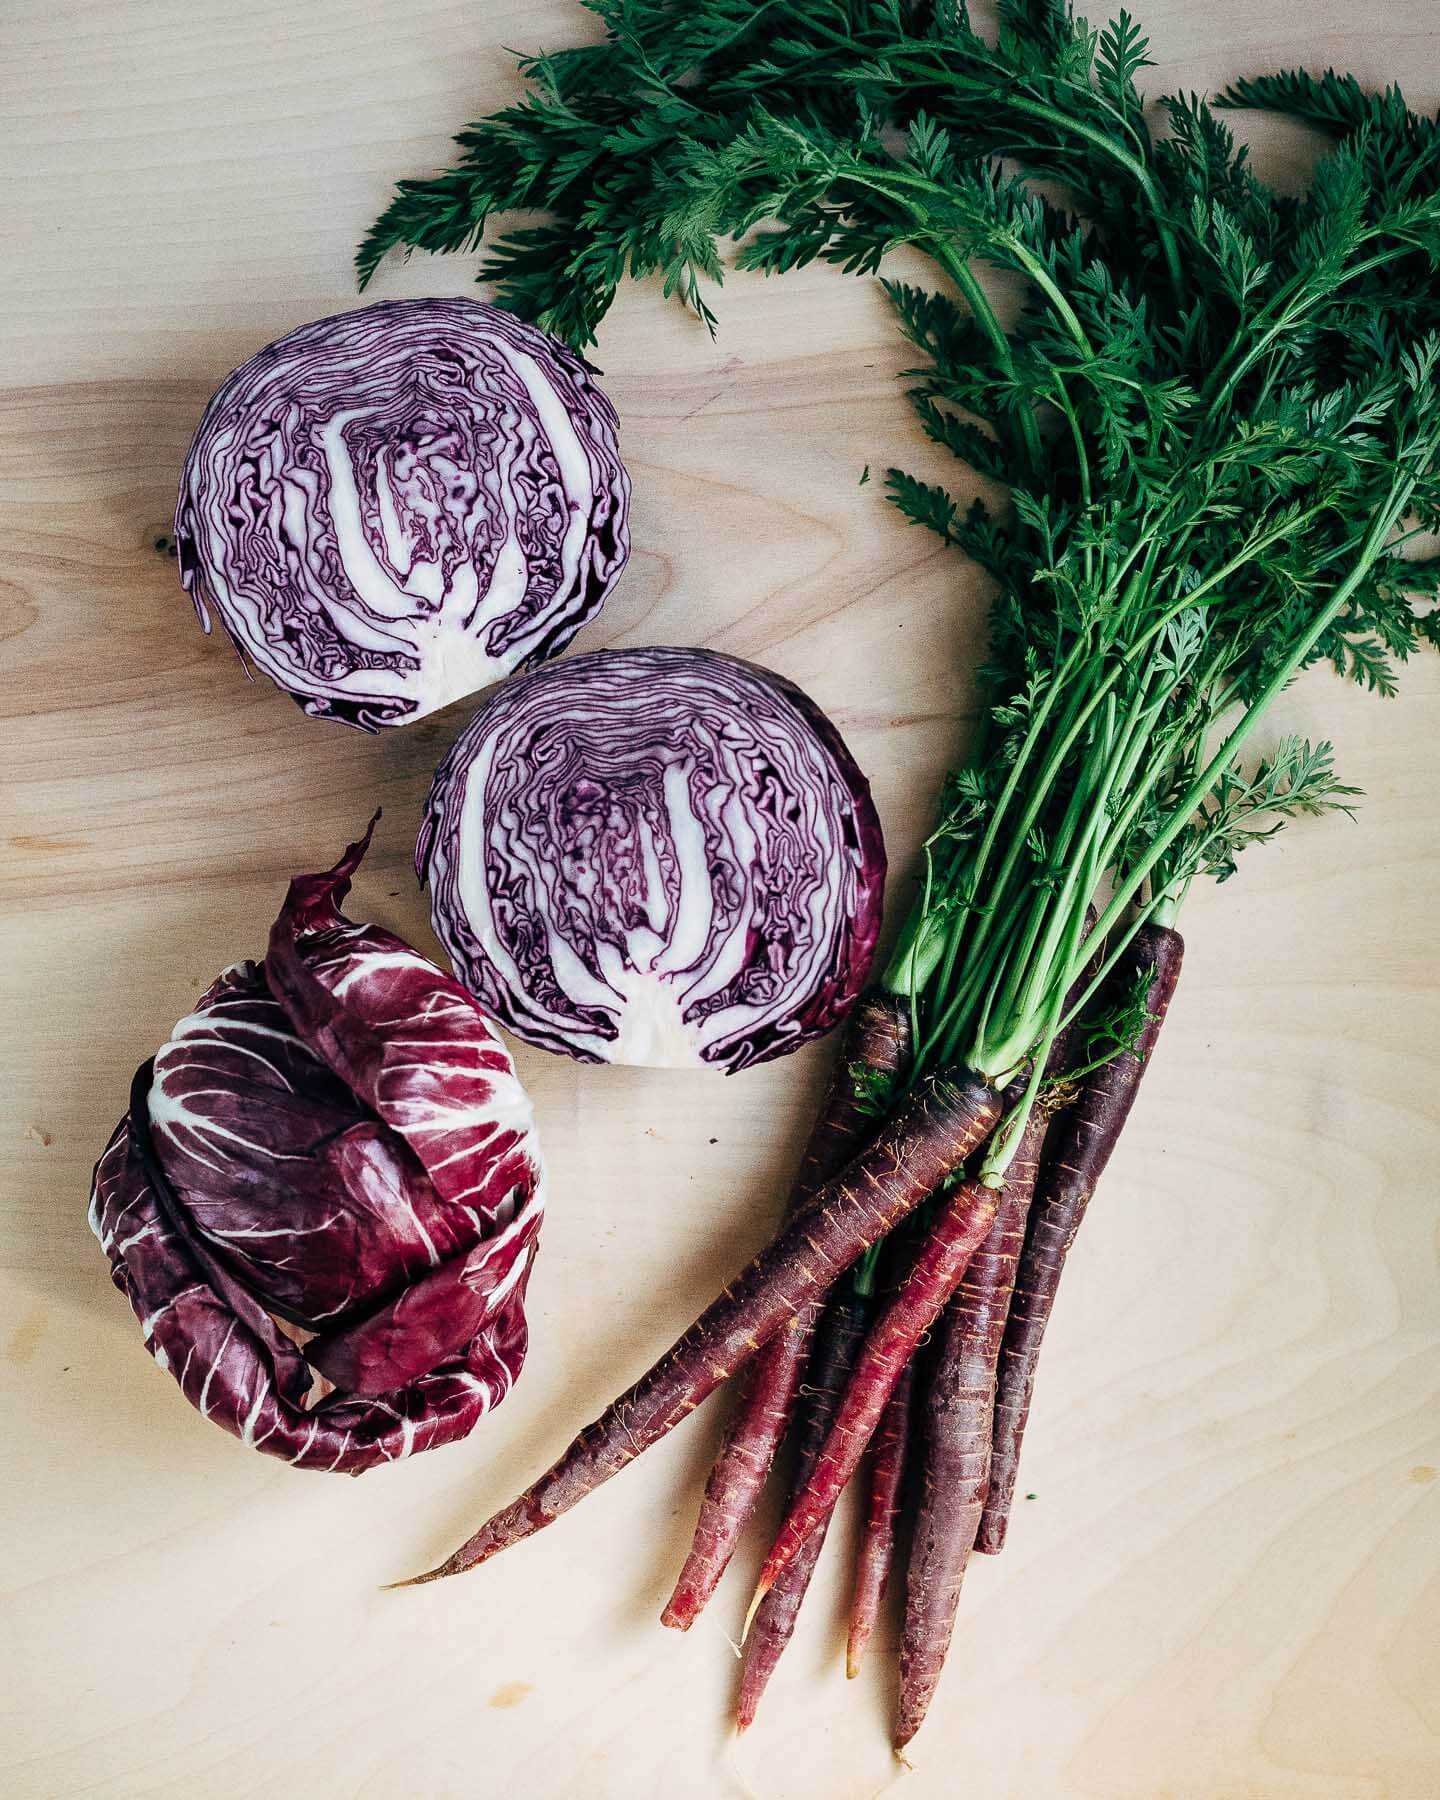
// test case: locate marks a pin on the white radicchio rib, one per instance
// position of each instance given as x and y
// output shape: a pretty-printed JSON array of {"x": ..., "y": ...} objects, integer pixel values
[
  {"x": 657, "y": 856},
  {"x": 397, "y": 506},
  {"x": 328, "y": 1185}
]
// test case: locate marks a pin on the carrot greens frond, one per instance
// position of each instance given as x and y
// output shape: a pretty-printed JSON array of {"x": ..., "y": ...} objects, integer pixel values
[{"x": 1211, "y": 405}]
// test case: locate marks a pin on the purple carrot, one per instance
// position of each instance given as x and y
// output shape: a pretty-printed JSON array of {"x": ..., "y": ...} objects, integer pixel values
[
  {"x": 1084, "y": 1136},
  {"x": 941, "y": 1122},
  {"x": 837, "y": 1344},
  {"x": 956, "y": 1419},
  {"x": 960, "y": 1227},
  {"x": 882, "y": 1510},
  {"x": 876, "y": 1043}
]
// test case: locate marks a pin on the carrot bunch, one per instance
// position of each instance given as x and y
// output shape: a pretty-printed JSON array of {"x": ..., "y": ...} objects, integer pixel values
[
  {"x": 1215, "y": 416},
  {"x": 844, "y": 1372}
]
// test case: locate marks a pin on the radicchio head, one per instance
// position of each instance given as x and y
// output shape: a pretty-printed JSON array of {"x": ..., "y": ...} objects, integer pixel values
[{"x": 323, "y": 1202}]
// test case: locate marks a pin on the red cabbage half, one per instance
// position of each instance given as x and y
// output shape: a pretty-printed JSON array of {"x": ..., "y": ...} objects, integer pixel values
[
  {"x": 323, "y": 1203},
  {"x": 655, "y": 856},
  {"x": 395, "y": 507}
]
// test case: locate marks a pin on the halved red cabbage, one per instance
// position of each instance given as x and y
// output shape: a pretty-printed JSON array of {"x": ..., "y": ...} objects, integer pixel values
[
  {"x": 657, "y": 856},
  {"x": 324, "y": 1200},
  {"x": 397, "y": 506}
]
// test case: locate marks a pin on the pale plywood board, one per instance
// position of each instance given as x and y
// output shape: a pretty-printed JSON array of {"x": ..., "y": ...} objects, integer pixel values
[{"x": 1226, "y": 1586}]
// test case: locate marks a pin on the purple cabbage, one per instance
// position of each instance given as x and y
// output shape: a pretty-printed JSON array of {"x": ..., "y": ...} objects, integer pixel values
[
  {"x": 657, "y": 856},
  {"x": 395, "y": 507},
  {"x": 323, "y": 1202}
]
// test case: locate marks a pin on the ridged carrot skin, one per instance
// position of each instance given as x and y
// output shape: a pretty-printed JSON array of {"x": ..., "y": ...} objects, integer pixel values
[
  {"x": 1084, "y": 1136},
  {"x": 837, "y": 1344},
  {"x": 882, "y": 1511},
  {"x": 942, "y": 1121},
  {"x": 961, "y": 1226},
  {"x": 956, "y": 1418},
  {"x": 877, "y": 1037}
]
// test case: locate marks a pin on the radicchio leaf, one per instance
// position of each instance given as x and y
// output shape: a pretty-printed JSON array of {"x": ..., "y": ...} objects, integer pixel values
[
  {"x": 397, "y": 506},
  {"x": 328, "y": 1180},
  {"x": 659, "y": 856}
]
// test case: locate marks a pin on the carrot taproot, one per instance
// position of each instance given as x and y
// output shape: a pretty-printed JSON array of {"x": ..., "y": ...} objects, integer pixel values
[
  {"x": 882, "y": 1511},
  {"x": 960, "y": 1227},
  {"x": 941, "y": 1122},
  {"x": 837, "y": 1343},
  {"x": 956, "y": 1420},
  {"x": 1085, "y": 1134},
  {"x": 742, "y": 1466},
  {"x": 875, "y": 1049}
]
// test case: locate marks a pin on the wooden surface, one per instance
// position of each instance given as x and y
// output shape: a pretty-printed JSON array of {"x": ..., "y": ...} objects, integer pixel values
[{"x": 1227, "y": 1584}]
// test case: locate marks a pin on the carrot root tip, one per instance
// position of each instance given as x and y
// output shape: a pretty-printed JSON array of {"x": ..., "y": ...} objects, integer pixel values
[
  {"x": 389, "y": 1587},
  {"x": 681, "y": 1611},
  {"x": 761, "y": 1590}
]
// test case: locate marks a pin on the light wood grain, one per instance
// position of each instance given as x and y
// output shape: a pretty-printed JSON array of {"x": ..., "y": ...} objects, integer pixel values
[{"x": 1227, "y": 1586}]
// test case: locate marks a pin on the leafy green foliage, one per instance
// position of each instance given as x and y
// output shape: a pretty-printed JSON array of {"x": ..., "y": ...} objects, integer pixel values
[
  {"x": 1120, "y": 56},
  {"x": 874, "y": 1089},
  {"x": 1297, "y": 779},
  {"x": 925, "y": 504},
  {"x": 1114, "y": 1032},
  {"x": 1211, "y": 415}
]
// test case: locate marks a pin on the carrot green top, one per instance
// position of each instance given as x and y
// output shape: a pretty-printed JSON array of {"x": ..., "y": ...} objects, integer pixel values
[{"x": 1215, "y": 412}]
